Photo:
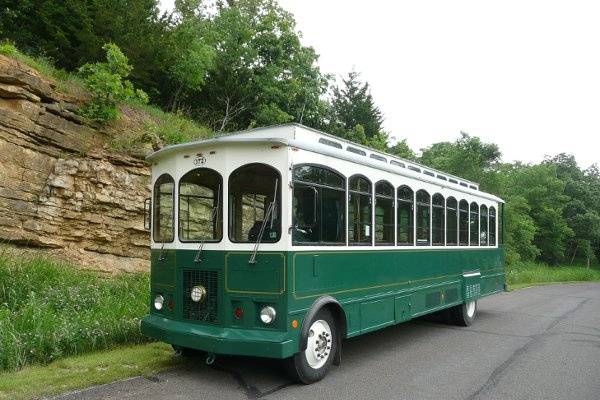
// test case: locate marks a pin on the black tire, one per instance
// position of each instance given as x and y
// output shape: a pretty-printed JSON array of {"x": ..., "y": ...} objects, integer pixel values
[
  {"x": 459, "y": 315},
  {"x": 298, "y": 365},
  {"x": 186, "y": 351}
]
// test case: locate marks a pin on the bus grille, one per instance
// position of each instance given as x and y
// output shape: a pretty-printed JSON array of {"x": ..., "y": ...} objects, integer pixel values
[{"x": 205, "y": 311}]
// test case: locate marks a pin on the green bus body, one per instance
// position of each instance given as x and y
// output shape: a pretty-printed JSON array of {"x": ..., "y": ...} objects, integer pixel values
[{"x": 375, "y": 288}]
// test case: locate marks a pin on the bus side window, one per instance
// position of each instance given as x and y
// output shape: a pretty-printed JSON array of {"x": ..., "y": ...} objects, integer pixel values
[
  {"x": 360, "y": 224},
  {"x": 492, "y": 226},
  {"x": 483, "y": 224},
  {"x": 474, "y": 224},
  {"x": 463, "y": 222},
  {"x": 164, "y": 209},
  {"x": 423, "y": 221},
  {"x": 405, "y": 198},
  {"x": 451, "y": 222},
  {"x": 319, "y": 206},
  {"x": 437, "y": 220},
  {"x": 384, "y": 213}
]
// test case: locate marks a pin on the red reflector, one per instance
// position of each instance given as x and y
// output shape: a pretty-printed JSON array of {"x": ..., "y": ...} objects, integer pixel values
[
  {"x": 238, "y": 313},
  {"x": 170, "y": 304}
]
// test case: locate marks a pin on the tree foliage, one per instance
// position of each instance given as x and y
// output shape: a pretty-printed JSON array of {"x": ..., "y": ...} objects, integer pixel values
[{"x": 106, "y": 83}]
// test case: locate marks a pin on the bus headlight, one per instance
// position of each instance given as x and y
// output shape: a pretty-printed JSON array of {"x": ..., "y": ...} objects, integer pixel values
[
  {"x": 267, "y": 314},
  {"x": 158, "y": 302}
]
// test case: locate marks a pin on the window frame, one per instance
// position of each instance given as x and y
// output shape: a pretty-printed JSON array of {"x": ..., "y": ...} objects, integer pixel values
[
  {"x": 280, "y": 211},
  {"x": 468, "y": 212},
  {"x": 455, "y": 209},
  {"x": 411, "y": 224},
  {"x": 344, "y": 190},
  {"x": 393, "y": 202},
  {"x": 443, "y": 220},
  {"x": 371, "y": 194},
  {"x": 490, "y": 209},
  {"x": 417, "y": 204},
  {"x": 487, "y": 219},
  {"x": 219, "y": 211},
  {"x": 165, "y": 175},
  {"x": 474, "y": 203}
]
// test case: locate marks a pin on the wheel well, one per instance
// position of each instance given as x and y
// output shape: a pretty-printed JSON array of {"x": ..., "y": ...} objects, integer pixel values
[
  {"x": 336, "y": 310},
  {"x": 340, "y": 317}
]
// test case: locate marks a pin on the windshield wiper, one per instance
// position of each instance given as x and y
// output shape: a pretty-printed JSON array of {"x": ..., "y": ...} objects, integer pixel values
[
  {"x": 268, "y": 214},
  {"x": 214, "y": 214}
]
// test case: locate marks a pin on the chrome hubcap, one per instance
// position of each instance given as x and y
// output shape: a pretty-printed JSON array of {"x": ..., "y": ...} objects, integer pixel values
[
  {"x": 471, "y": 309},
  {"x": 318, "y": 347}
]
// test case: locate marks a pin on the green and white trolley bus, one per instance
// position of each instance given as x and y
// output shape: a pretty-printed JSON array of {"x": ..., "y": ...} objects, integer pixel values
[{"x": 282, "y": 241}]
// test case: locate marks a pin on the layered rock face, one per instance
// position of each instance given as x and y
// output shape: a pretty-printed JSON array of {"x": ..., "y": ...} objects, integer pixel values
[{"x": 60, "y": 189}]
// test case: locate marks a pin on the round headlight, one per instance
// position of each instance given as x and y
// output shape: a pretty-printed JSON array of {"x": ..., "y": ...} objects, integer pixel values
[
  {"x": 267, "y": 314},
  {"x": 158, "y": 302},
  {"x": 198, "y": 294}
]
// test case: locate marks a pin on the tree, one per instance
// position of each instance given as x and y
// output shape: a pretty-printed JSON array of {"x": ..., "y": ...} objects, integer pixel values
[
  {"x": 467, "y": 157},
  {"x": 352, "y": 105},
  {"x": 262, "y": 75},
  {"x": 72, "y": 33},
  {"x": 403, "y": 150},
  {"x": 582, "y": 211}
]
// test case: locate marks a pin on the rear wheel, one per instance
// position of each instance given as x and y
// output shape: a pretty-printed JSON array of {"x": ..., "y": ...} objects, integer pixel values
[
  {"x": 464, "y": 314},
  {"x": 312, "y": 364}
]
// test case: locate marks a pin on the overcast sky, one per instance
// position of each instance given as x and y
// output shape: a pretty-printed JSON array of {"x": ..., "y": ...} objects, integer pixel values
[{"x": 522, "y": 74}]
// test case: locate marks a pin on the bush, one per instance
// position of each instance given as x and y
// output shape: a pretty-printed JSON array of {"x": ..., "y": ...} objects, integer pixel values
[
  {"x": 49, "y": 310},
  {"x": 106, "y": 84}
]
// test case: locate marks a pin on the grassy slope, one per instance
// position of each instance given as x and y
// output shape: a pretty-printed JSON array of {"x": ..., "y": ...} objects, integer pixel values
[
  {"x": 49, "y": 310},
  {"x": 149, "y": 124}
]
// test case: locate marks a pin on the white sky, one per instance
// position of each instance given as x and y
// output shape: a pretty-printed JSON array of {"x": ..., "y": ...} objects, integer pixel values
[{"x": 522, "y": 74}]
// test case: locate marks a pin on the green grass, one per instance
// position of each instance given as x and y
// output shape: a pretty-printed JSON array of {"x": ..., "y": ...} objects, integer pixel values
[
  {"x": 49, "y": 310},
  {"x": 66, "y": 82},
  {"x": 173, "y": 128},
  {"x": 86, "y": 370},
  {"x": 529, "y": 273}
]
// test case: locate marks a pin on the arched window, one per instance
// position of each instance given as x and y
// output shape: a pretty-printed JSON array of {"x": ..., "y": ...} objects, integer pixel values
[
  {"x": 384, "y": 213},
  {"x": 483, "y": 223},
  {"x": 359, "y": 211},
  {"x": 319, "y": 206},
  {"x": 423, "y": 213},
  {"x": 200, "y": 204},
  {"x": 405, "y": 216},
  {"x": 164, "y": 209},
  {"x": 437, "y": 219},
  {"x": 254, "y": 201},
  {"x": 474, "y": 224},
  {"x": 492, "y": 234},
  {"x": 463, "y": 222},
  {"x": 451, "y": 222}
]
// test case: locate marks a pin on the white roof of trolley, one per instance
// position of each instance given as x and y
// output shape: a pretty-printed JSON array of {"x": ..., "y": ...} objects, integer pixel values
[{"x": 303, "y": 137}]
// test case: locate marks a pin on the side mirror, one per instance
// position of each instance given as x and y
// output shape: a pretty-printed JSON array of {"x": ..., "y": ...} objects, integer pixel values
[{"x": 147, "y": 214}]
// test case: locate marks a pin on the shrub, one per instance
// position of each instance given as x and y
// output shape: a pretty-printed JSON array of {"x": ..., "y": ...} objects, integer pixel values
[
  {"x": 106, "y": 84},
  {"x": 49, "y": 310}
]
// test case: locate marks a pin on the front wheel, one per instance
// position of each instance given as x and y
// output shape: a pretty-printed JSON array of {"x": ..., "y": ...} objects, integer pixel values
[
  {"x": 312, "y": 364},
  {"x": 464, "y": 314}
]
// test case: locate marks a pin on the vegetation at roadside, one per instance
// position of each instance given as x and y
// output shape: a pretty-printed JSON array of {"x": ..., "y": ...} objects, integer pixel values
[
  {"x": 78, "y": 372},
  {"x": 49, "y": 310},
  {"x": 522, "y": 274}
]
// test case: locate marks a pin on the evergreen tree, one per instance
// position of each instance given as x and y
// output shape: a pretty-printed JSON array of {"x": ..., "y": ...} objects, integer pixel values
[{"x": 352, "y": 106}]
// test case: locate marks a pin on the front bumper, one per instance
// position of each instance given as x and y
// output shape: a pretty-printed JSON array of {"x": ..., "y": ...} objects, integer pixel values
[{"x": 219, "y": 340}]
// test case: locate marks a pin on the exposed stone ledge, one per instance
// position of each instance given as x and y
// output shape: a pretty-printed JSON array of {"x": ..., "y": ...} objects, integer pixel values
[{"x": 60, "y": 189}]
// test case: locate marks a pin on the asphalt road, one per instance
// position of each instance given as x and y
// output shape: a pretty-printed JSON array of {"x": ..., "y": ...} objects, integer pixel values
[{"x": 536, "y": 343}]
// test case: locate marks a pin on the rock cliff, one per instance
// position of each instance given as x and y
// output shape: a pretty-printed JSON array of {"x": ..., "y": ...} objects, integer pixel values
[{"x": 61, "y": 188}]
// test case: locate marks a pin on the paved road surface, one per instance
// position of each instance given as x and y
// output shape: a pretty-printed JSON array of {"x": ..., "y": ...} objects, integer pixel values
[{"x": 536, "y": 343}]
